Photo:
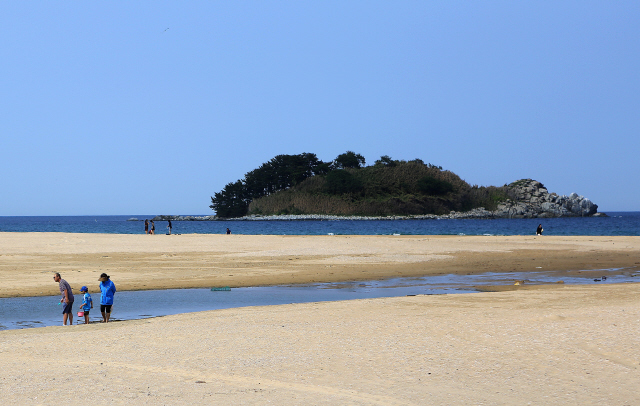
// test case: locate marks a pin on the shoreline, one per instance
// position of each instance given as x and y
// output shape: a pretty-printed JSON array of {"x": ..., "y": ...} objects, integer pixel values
[
  {"x": 519, "y": 284},
  {"x": 477, "y": 214}
]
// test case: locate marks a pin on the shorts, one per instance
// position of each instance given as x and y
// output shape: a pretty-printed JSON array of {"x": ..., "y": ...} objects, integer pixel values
[
  {"x": 86, "y": 312},
  {"x": 105, "y": 308},
  {"x": 67, "y": 308}
]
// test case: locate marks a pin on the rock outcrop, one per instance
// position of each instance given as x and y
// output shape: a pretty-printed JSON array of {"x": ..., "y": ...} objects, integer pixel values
[{"x": 530, "y": 199}]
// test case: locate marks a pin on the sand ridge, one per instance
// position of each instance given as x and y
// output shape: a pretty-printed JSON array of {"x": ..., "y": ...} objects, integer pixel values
[{"x": 135, "y": 262}]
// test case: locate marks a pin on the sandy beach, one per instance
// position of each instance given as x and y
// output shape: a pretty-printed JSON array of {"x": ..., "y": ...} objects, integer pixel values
[
  {"x": 550, "y": 344},
  {"x": 137, "y": 262}
]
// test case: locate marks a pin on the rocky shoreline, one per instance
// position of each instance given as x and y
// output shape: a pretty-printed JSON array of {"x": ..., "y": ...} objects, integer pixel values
[{"x": 530, "y": 199}]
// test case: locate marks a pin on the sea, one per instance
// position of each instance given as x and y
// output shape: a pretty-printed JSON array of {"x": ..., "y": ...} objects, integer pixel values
[{"x": 617, "y": 223}]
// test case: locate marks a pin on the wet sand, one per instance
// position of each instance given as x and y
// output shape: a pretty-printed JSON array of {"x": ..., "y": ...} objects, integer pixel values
[{"x": 552, "y": 345}]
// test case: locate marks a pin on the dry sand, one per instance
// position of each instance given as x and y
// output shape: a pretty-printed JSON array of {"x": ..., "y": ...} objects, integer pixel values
[{"x": 556, "y": 344}]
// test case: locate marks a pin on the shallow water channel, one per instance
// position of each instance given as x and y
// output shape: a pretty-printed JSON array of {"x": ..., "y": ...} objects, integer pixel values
[{"x": 28, "y": 312}]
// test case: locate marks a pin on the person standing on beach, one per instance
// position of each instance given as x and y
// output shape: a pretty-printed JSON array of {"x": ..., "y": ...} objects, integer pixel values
[
  {"x": 539, "y": 230},
  {"x": 146, "y": 226},
  {"x": 87, "y": 303},
  {"x": 228, "y": 231},
  {"x": 153, "y": 228},
  {"x": 67, "y": 299},
  {"x": 169, "y": 227},
  {"x": 107, "y": 289}
]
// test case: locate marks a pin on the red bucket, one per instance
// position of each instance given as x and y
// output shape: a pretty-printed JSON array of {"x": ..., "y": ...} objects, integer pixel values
[{"x": 80, "y": 314}]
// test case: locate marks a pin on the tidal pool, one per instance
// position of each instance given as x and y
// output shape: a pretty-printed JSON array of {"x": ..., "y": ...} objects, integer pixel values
[{"x": 28, "y": 312}]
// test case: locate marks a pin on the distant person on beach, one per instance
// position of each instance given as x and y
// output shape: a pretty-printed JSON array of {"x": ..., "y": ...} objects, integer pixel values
[
  {"x": 87, "y": 304},
  {"x": 228, "y": 231},
  {"x": 169, "y": 227},
  {"x": 146, "y": 226},
  {"x": 153, "y": 228},
  {"x": 107, "y": 290},
  {"x": 539, "y": 230},
  {"x": 67, "y": 299}
]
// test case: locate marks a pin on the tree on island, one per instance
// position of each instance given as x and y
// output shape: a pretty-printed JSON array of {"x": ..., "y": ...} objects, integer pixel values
[
  {"x": 303, "y": 184},
  {"x": 280, "y": 173},
  {"x": 349, "y": 160}
]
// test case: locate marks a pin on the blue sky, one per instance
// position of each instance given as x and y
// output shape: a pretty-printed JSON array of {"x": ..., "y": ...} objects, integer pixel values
[{"x": 152, "y": 107}]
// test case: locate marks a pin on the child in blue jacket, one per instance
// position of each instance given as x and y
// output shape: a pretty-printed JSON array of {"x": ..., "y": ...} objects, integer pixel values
[{"x": 87, "y": 303}]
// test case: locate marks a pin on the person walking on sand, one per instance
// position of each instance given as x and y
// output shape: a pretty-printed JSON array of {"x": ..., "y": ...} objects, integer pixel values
[
  {"x": 146, "y": 226},
  {"x": 67, "y": 299},
  {"x": 539, "y": 230},
  {"x": 107, "y": 290},
  {"x": 153, "y": 228},
  {"x": 169, "y": 227},
  {"x": 87, "y": 304}
]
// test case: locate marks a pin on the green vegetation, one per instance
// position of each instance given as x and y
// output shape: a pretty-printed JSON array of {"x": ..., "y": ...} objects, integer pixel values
[
  {"x": 280, "y": 173},
  {"x": 435, "y": 187},
  {"x": 302, "y": 184},
  {"x": 349, "y": 160}
]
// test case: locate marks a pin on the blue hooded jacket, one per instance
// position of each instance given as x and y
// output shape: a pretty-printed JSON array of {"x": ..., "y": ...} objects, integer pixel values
[{"x": 107, "y": 288}]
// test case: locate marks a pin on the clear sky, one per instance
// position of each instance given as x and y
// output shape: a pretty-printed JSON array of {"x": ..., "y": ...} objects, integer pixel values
[{"x": 150, "y": 107}]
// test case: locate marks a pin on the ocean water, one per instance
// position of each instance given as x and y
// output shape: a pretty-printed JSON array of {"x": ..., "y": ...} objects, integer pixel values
[{"x": 618, "y": 223}]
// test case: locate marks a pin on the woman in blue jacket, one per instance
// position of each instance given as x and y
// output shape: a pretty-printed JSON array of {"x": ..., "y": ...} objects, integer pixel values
[{"x": 108, "y": 289}]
